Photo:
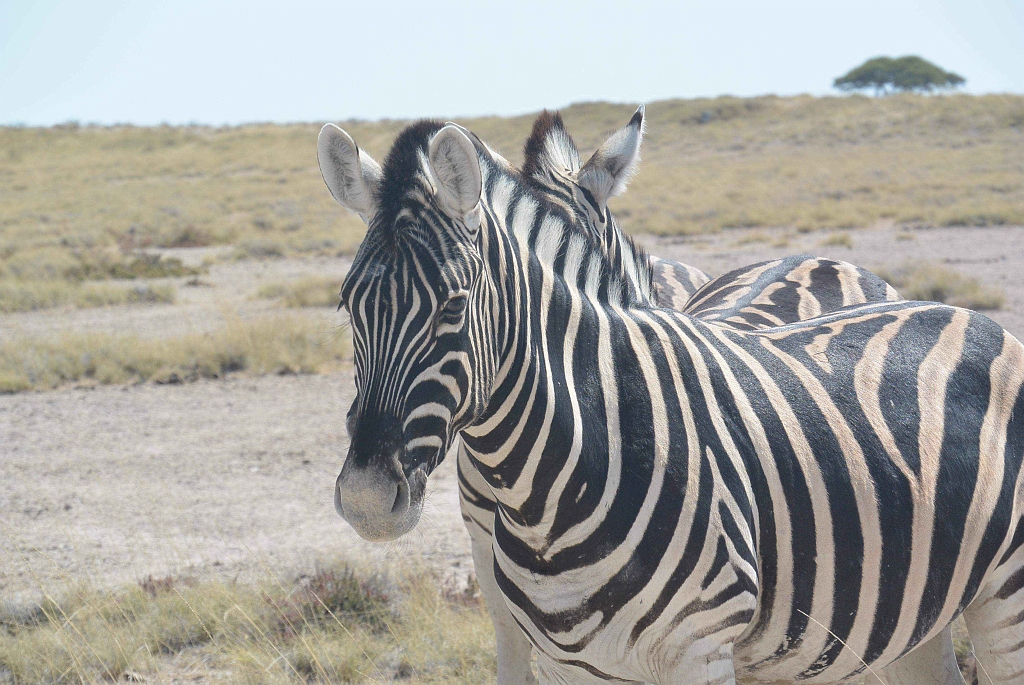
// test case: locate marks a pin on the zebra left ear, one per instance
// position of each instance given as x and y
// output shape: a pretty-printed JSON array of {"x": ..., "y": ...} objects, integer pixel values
[
  {"x": 607, "y": 173},
  {"x": 456, "y": 169}
]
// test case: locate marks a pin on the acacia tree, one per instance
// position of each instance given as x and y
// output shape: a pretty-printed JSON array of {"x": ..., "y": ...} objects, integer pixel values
[{"x": 910, "y": 73}]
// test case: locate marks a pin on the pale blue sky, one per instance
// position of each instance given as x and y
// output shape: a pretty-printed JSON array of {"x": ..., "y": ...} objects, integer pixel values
[{"x": 232, "y": 62}]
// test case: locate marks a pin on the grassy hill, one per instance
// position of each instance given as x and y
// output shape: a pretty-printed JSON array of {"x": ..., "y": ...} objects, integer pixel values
[{"x": 75, "y": 200}]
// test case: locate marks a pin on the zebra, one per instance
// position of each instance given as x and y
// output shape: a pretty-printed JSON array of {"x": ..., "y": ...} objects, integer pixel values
[
  {"x": 767, "y": 293},
  {"x": 552, "y": 166},
  {"x": 764, "y": 294},
  {"x": 678, "y": 500}
]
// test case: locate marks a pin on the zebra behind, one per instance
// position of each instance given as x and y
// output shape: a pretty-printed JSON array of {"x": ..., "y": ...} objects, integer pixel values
[
  {"x": 768, "y": 293},
  {"x": 677, "y": 501}
]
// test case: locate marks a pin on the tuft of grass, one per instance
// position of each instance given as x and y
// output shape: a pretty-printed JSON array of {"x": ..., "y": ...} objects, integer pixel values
[
  {"x": 273, "y": 345},
  {"x": 313, "y": 291},
  {"x": 335, "y": 626},
  {"x": 25, "y": 296},
  {"x": 937, "y": 283},
  {"x": 259, "y": 249},
  {"x": 837, "y": 240},
  {"x": 752, "y": 238}
]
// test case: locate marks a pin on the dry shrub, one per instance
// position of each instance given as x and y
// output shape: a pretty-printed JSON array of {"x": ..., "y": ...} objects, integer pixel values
[
  {"x": 278, "y": 344},
  {"x": 937, "y": 283},
  {"x": 837, "y": 240},
  {"x": 313, "y": 291},
  {"x": 335, "y": 626},
  {"x": 259, "y": 249},
  {"x": 24, "y": 296}
]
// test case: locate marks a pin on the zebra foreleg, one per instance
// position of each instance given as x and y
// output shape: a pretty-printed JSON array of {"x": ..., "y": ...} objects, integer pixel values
[
  {"x": 995, "y": 621},
  {"x": 514, "y": 649},
  {"x": 933, "y": 663}
]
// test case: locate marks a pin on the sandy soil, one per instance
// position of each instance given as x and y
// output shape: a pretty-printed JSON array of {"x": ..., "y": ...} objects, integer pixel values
[
  {"x": 235, "y": 476},
  {"x": 230, "y": 476}
]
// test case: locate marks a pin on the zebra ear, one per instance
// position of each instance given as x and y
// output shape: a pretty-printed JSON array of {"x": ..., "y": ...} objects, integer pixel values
[
  {"x": 456, "y": 169},
  {"x": 607, "y": 173},
  {"x": 350, "y": 174}
]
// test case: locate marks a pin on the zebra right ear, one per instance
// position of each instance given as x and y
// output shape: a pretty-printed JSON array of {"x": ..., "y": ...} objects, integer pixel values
[
  {"x": 351, "y": 175},
  {"x": 607, "y": 173}
]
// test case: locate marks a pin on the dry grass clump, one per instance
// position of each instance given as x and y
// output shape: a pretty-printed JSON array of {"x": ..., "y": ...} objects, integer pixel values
[
  {"x": 312, "y": 291},
  {"x": 937, "y": 283},
  {"x": 841, "y": 239},
  {"x": 25, "y": 296},
  {"x": 334, "y": 626},
  {"x": 74, "y": 265},
  {"x": 277, "y": 344}
]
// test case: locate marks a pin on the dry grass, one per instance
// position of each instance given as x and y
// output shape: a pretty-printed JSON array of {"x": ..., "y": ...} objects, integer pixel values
[
  {"x": 278, "y": 344},
  {"x": 804, "y": 162},
  {"x": 312, "y": 291},
  {"x": 25, "y": 296},
  {"x": 937, "y": 283},
  {"x": 334, "y": 626},
  {"x": 842, "y": 239}
]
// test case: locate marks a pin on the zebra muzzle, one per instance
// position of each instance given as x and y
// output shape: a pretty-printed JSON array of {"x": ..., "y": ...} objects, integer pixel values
[{"x": 378, "y": 500}]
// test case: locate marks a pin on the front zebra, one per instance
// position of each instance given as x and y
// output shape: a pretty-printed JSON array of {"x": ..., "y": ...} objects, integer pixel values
[{"x": 677, "y": 501}]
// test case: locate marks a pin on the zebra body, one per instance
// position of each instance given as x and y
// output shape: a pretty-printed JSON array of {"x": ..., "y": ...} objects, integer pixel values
[
  {"x": 768, "y": 293},
  {"x": 678, "y": 501}
]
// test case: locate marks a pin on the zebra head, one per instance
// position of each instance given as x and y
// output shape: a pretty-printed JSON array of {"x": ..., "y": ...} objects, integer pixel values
[
  {"x": 418, "y": 306},
  {"x": 552, "y": 165}
]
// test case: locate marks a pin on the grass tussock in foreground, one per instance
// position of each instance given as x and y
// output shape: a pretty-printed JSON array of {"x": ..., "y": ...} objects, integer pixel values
[
  {"x": 26, "y": 296},
  {"x": 334, "y": 626},
  {"x": 276, "y": 344},
  {"x": 937, "y": 283},
  {"x": 313, "y": 291}
]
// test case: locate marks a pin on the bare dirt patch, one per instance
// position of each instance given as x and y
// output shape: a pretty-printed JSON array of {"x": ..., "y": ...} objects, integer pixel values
[{"x": 231, "y": 477}]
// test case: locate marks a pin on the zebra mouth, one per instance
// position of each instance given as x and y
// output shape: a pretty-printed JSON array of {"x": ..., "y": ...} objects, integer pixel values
[{"x": 379, "y": 504}]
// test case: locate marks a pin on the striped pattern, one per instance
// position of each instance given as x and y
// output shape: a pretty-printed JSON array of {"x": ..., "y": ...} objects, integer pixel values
[
  {"x": 683, "y": 501},
  {"x": 783, "y": 291}
]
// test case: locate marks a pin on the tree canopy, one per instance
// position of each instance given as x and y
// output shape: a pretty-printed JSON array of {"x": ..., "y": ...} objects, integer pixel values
[{"x": 887, "y": 74}]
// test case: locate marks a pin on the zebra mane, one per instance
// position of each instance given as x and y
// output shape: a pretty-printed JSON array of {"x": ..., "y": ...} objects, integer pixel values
[
  {"x": 403, "y": 168},
  {"x": 549, "y": 147},
  {"x": 405, "y": 176}
]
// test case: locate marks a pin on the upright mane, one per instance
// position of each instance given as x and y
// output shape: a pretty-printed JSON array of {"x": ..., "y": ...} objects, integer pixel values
[
  {"x": 549, "y": 147},
  {"x": 403, "y": 168}
]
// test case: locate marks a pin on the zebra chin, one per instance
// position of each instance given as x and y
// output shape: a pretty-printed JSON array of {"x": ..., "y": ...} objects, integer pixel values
[{"x": 381, "y": 504}]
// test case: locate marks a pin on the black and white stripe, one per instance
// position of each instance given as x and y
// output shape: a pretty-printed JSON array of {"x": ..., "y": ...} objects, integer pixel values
[{"x": 677, "y": 500}]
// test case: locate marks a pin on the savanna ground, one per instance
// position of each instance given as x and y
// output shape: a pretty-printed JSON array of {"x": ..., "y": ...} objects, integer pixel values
[{"x": 176, "y": 378}]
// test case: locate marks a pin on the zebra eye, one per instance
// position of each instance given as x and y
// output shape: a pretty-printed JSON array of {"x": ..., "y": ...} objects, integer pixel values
[{"x": 454, "y": 307}]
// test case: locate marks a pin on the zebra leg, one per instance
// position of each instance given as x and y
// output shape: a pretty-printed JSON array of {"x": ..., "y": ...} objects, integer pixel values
[
  {"x": 932, "y": 663},
  {"x": 514, "y": 649},
  {"x": 995, "y": 621}
]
